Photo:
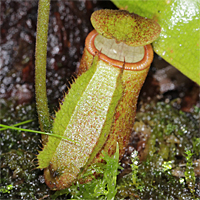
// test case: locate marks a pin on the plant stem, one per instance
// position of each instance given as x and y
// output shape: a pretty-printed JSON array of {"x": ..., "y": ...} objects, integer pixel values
[
  {"x": 18, "y": 124},
  {"x": 40, "y": 66}
]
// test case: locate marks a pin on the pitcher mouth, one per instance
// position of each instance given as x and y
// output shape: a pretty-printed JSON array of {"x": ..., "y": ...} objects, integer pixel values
[{"x": 118, "y": 54}]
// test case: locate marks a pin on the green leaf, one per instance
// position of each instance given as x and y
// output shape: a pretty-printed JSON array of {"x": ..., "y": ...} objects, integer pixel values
[{"x": 179, "y": 39}]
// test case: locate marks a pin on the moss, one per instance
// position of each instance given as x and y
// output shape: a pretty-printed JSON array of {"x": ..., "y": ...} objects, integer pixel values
[
  {"x": 18, "y": 150},
  {"x": 172, "y": 133}
]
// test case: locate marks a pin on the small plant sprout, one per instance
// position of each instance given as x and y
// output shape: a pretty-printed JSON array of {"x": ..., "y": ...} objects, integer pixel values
[
  {"x": 6, "y": 189},
  {"x": 167, "y": 166},
  {"x": 182, "y": 181},
  {"x": 189, "y": 172},
  {"x": 134, "y": 166},
  {"x": 196, "y": 145}
]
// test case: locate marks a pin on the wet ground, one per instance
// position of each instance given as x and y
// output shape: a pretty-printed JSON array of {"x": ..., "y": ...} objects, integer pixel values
[{"x": 68, "y": 28}]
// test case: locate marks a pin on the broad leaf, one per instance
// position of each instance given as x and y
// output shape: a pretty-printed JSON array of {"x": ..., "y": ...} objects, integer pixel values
[{"x": 179, "y": 40}]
